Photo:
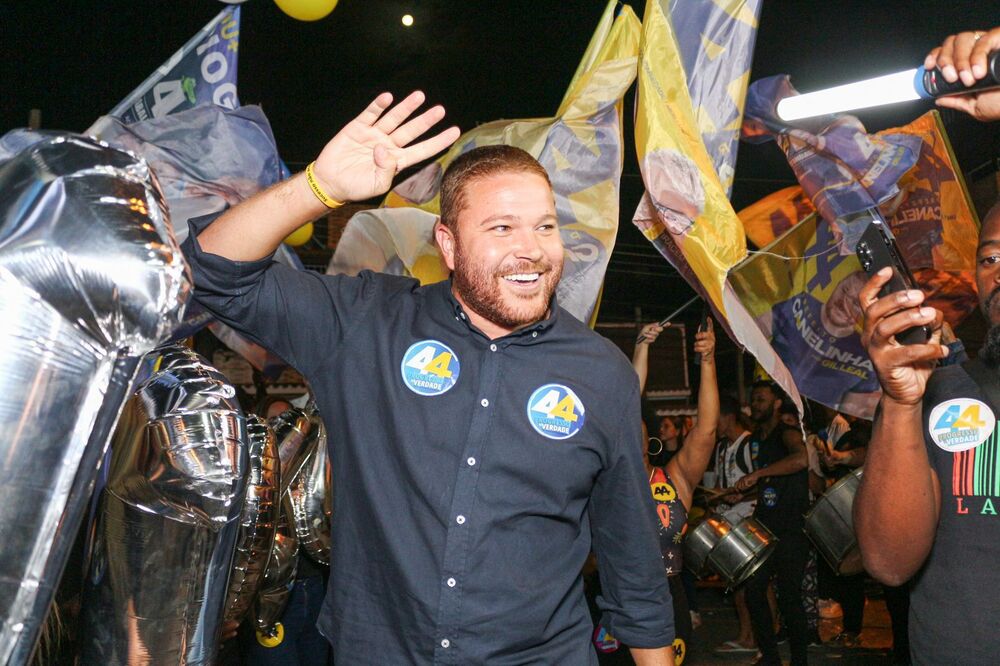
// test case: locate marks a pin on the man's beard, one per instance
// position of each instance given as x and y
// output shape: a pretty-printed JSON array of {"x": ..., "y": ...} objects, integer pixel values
[
  {"x": 989, "y": 353},
  {"x": 481, "y": 292}
]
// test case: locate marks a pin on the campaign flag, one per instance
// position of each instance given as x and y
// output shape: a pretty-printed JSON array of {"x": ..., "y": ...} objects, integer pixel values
[
  {"x": 716, "y": 41},
  {"x": 205, "y": 158},
  {"x": 581, "y": 149},
  {"x": 203, "y": 71},
  {"x": 685, "y": 212},
  {"x": 931, "y": 216},
  {"x": 843, "y": 169},
  {"x": 768, "y": 219},
  {"x": 803, "y": 294}
]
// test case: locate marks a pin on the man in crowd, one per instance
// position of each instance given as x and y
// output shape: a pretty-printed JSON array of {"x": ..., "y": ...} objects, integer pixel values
[
  {"x": 928, "y": 499},
  {"x": 733, "y": 461},
  {"x": 482, "y": 439},
  {"x": 782, "y": 499}
]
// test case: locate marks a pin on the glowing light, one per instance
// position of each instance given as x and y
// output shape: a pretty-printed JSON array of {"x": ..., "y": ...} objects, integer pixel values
[
  {"x": 407, "y": 20},
  {"x": 888, "y": 89}
]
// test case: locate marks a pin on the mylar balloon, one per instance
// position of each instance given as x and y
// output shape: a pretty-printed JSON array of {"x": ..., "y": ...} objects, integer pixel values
[
  {"x": 306, "y": 10},
  {"x": 300, "y": 236}
]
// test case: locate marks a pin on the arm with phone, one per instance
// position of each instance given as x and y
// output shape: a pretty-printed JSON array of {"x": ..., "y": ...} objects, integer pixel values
[{"x": 896, "y": 508}]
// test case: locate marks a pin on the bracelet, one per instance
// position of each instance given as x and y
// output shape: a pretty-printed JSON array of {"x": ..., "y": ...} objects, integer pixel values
[{"x": 314, "y": 185}]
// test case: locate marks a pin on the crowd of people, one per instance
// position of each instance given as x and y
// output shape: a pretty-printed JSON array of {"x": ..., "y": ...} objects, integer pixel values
[{"x": 484, "y": 443}]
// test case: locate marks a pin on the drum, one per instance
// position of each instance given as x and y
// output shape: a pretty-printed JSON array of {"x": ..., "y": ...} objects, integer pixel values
[
  {"x": 734, "y": 553},
  {"x": 741, "y": 552},
  {"x": 830, "y": 525},
  {"x": 700, "y": 541}
]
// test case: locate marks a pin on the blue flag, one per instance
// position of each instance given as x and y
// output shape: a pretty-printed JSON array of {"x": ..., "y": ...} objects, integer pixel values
[{"x": 202, "y": 71}]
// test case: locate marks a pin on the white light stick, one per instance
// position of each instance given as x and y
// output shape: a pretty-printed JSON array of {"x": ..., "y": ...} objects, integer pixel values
[{"x": 889, "y": 89}]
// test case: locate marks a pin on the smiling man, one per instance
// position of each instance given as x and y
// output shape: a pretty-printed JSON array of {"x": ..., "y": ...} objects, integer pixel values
[{"x": 482, "y": 440}]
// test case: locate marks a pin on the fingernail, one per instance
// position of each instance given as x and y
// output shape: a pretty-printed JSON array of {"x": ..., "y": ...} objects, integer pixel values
[
  {"x": 979, "y": 71},
  {"x": 966, "y": 77},
  {"x": 945, "y": 350},
  {"x": 883, "y": 272},
  {"x": 949, "y": 73},
  {"x": 926, "y": 312}
]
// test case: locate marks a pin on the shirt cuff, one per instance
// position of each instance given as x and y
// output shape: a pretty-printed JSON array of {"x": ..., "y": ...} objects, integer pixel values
[{"x": 205, "y": 264}]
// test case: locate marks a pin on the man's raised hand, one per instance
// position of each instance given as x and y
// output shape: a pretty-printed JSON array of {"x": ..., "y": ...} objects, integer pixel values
[{"x": 363, "y": 158}]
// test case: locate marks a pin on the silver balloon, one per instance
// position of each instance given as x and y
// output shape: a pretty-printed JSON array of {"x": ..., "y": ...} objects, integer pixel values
[
  {"x": 279, "y": 577},
  {"x": 310, "y": 498},
  {"x": 91, "y": 278},
  {"x": 163, "y": 541},
  {"x": 296, "y": 434},
  {"x": 257, "y": 525}
]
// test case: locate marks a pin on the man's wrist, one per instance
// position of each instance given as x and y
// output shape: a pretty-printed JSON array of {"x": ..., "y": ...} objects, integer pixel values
[{"x": 897, "y": 409}]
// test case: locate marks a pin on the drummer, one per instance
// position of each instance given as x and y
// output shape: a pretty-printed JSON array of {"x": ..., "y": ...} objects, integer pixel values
[
  {"x": 673, "y": 484},
  {"x": 782, "y": 499}
]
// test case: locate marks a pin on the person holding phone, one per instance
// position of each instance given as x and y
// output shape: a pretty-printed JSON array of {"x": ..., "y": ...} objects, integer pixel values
[{"x": 928, "y": 500}]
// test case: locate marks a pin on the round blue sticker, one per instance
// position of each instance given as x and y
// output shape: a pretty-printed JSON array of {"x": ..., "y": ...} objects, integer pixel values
[
  {"x": 555, "y": 411},
  {"x": 770, "y": 497},
  {"x": 429, "y": 367}
]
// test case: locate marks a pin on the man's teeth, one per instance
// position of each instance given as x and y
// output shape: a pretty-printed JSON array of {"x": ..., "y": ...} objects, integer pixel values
[{"x": 521, "y": 277}]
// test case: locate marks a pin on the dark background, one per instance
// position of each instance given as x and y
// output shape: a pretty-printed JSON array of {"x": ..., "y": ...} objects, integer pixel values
[{"x": 484, "y": 60}]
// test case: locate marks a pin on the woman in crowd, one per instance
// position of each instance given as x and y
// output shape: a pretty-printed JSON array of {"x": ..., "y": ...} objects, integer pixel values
[{"x": 672, "y": 483}]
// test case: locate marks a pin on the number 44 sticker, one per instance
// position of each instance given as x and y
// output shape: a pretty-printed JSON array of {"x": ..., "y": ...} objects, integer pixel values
[{"x": 555, "y": 411}]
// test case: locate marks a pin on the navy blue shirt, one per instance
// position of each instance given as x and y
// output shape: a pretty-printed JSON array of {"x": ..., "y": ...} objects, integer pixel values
[{"x": 471, "y": 477}]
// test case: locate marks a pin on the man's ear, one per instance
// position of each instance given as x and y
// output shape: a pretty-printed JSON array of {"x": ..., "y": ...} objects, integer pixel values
[{"x": 445, "y": 239}]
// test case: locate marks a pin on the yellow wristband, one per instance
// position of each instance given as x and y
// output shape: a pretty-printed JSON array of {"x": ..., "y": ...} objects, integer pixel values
[{"x": 314, "y": 185}]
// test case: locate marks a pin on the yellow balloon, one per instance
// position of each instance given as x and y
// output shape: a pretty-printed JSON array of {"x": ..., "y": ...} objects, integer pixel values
[
  {"x": 306, "y": 10},
  {"x": 301, "y": 235}
]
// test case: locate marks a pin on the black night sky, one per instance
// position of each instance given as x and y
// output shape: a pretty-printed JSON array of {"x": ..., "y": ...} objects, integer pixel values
[{"x": 484, "y": 60}]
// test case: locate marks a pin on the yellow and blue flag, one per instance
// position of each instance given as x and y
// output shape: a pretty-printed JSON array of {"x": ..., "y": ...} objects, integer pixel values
[
  {"x": 716, "y": 41},
  {"x": 930, "y": 214},
  {"x": 685, "y": 212}
]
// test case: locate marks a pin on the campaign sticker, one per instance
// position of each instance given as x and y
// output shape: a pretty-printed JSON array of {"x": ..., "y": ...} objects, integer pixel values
[
  {"x": 429, "y": 367},
  {"x": 555, "y": 411},
  {"x": 663, "y": 491},
  {"x": 961, "y": 424},
  {"x": 605, "y": 642},
  {"x": 680, "y": 651},
  {"x": 770, "y": 497}
]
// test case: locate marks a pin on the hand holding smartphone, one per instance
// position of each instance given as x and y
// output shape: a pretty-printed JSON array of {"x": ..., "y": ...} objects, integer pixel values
[{"x": 876, "y": 250}]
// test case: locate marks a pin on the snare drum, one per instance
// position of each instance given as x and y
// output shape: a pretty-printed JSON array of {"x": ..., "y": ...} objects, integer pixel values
[
  {"x": 741, "y": 552},
  {"x": 734, "y": 553},
  {"x": 700, "y": 541},
  {"x": 830, "y": 526}
]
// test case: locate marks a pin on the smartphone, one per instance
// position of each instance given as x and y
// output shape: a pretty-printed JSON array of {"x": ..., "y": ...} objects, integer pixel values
[{"x": 876, "y": 250}]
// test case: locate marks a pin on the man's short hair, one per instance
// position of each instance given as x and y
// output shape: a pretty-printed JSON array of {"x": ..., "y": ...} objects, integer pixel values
[
  {"x": 480, "y": 163},
  {"x": 729, "y": 405},
  {"x": 772, "y": 386}
]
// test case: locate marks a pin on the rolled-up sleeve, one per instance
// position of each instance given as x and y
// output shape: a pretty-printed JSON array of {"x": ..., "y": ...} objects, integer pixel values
[
  {"x": 635, "y": 597},
  {"x": 295, "y": 314}
]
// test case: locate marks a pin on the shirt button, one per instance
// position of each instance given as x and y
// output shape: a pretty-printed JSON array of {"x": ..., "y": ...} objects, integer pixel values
[
  {"x": 484, "y": 402},
  {"x": 460, "y": 520},
  {"x": 471, "y": 461},
  {"x": 493, "y": 347},
  {"x": 445, "y": 643},
  {"x": 452, "y": 582},
  {"x": 462, "y": 315},
  {"x": 534, "y": 334}
]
